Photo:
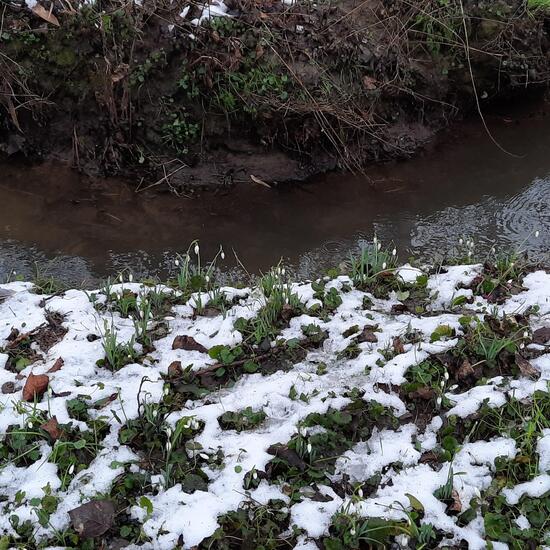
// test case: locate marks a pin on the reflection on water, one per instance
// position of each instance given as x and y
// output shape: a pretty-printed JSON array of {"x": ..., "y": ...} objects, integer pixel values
[{"x": 464, "y": 187}]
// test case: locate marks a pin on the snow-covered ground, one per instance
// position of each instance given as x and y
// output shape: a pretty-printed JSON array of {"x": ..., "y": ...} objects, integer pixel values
[{"x": 394, "y": 473}]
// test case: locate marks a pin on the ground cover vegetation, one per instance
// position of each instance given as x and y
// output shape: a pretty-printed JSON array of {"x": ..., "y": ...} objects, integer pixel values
[{"x": 382, "y": 405}]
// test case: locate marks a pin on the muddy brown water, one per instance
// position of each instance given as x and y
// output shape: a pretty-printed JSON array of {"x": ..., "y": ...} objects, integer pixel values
[{"x": 80, "y": 229}]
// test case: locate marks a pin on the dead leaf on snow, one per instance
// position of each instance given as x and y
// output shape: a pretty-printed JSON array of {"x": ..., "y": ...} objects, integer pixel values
[
  {"x": 188, "y": 343},
  {"x": 35, "y": 387},
  {"x": 541, "y": 335},
  {"x": 52, "y": 427},
  {"x": 93, "y": 519},
  {"x": 455, "y": 505},
  {"x": 525, "y": 367},
  {"x": 43, "y": 13},
  {"x": 58, "y": 365}
]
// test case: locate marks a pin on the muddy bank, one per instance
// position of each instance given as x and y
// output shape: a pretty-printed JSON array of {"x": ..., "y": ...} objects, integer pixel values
[{"x": 267, "y": 91}]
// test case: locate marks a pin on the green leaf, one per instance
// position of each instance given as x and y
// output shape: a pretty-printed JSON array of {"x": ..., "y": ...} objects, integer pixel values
[
  {"x": 144, "y": 502},
  {"x": 415, "y": 503}
]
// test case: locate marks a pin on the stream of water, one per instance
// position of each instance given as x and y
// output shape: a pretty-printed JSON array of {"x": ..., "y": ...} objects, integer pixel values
[{"x": 81, "y": 229}]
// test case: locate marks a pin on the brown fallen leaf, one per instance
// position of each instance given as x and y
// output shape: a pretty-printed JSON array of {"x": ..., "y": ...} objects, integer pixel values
[
  {"x": 93, "y": 518},
  {"x": 188, "y": 343},
  {"x": 174, "y": 369},
  {"x": 52, "y": 427},
  {"x": 35, "y": 387},
  {"x": 367, "y": 336},
  {"x": 370, "y": 83},
  {"x": 45, "y": 14},
  {"x": 455, "y": 505},
  {"x": 541, "y": 335},
  {"x": 425, "y": 392},
  {"x": 465, "y": 370},
  {"x": 398, "y": 345},
  {"x": 525, "y": 367},
  {"x": 58, "y": 365}
]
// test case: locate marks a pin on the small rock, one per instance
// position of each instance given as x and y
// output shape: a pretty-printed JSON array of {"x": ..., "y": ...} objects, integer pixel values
[{"x": 8, "y": 387}]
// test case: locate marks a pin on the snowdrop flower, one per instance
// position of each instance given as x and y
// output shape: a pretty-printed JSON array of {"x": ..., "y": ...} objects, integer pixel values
[
  {"x": 177, "y": 262},
  {"x": 360, "y": 493},
  {"x": 204, "y": 456},
  {"x": 384, "y": 265},
  {"x": 167, "y": 390},
  {"x": 453, "y": 387},
  {"x": 207, "y": 278},
  {"x": 521, "y": 346},
  {"x": 30, "y": 425},
  {"x": 255, "y": 474},
  {"x": 155, "y": 413},
  {"x": 446, "y": 375},
  {"x": 460, "y": 241},
  {"x": 168, "y": 446},
  {"x": 352, "y": 532},
  {"x": 49, "y": 392},
  {"x": 394, "y": 252},
  {"x": 379, "y": 246},
  {"x": 71, "y": 469},
  {"x": 438, "y": 402},
  {"x": 168, "y": 431},
  {"x": 130, "y": 278},
  {"x": 197, "y": 249},
  {"x": 121, "y": 278},
  {"x": 537, "y": 233},
  {"x": 283, "y": 271},
  {"x": 525, "y": 334},
  {"x": 309, "y": 448},
  {"x": 375, "y": 240}
]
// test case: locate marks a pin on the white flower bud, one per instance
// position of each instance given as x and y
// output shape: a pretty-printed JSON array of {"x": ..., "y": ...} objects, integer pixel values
[
  {"x": 155, "y": 413},
  {"x": 130, "y": 278},
  {"x": 177, "y": 262},
  {"x": 384, "y": 265},
  {"x": 197, "y": 249},
  {"x": 525, "y": 334},
  {"x": 71, "y": 469},
  {"x": 438, "y": 401},
  {"x": 446, "y": 375},
  {"x": 379, "y": 246},
  {"x": 460, "y": 241},
  {"x": 168, "y": 446},
  {"x": 360, "y": 493},
  {"x": 309, "y": 448},
  {"x": 352, "y": 532},
  {"x": 537, "y": 233},
  {"x": 204, "y": 456},
  {"x": 207, "y": 278},
  {"x": 394, "y": 252},
  {"x": 222, "y": 255},
  {"x": 255, "y": 475}
]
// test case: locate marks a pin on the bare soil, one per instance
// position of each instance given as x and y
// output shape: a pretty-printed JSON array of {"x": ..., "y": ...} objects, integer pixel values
[{"x": 273, "y": 93}]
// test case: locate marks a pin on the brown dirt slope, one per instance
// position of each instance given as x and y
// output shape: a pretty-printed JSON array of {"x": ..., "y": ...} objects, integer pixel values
[{"x": 276, "y": 91}]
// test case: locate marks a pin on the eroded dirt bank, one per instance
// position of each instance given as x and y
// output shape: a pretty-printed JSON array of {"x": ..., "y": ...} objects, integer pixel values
[{"x": 268, "y": 90}]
